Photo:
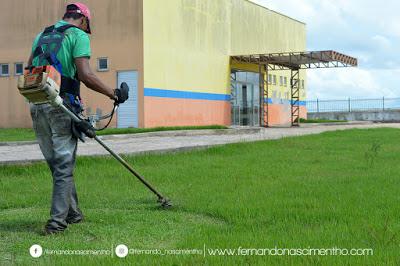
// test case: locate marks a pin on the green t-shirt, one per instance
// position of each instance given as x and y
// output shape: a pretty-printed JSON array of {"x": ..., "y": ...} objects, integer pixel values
[{"x": 76, "y": 44}]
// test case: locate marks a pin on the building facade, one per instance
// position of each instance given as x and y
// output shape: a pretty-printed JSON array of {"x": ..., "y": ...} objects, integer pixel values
[{"x": 175, "y": 55}]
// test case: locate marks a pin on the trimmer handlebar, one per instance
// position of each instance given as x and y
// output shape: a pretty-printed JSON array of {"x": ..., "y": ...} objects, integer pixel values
[{"x": 121, "y": 93}]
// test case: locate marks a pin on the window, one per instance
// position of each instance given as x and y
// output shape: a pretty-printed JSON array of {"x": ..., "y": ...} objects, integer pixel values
[
  {"x": 274, "y": 80},
  {"x": 280, "y": 81},
  {"x": 269, "y": 78},
  {"x": 302, "y": 83},
  {"x": 102, "y": 64},
  {"x": 285, "y": 81},
  {"x": 18, "y": 69},
  {"x": 4, "y": 70}
]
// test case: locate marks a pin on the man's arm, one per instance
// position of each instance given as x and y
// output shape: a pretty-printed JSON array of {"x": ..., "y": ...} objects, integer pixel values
[{"x": 86, "y": 75}]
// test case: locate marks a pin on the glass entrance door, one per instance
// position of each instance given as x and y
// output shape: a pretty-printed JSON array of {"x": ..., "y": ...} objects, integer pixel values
[{"x": 245, "y": 104}]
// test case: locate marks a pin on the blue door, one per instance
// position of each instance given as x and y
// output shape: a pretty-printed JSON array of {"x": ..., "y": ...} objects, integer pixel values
[{"x": 128, "y": 111}]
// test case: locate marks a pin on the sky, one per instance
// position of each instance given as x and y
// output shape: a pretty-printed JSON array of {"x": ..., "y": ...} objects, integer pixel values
[{"x": 366, "y": 29}]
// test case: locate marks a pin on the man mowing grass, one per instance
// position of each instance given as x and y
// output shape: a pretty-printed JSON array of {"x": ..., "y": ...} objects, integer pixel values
[{"x": 66, "y": 46}]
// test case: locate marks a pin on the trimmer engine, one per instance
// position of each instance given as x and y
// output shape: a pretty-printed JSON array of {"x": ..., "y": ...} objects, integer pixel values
[{"x": 41, "y": 85}]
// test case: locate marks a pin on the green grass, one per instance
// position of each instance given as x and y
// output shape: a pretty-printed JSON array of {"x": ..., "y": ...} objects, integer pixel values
[
  {"x": 16, "y": 134},
  {"x": 27, "y": 134},
  {"x": 302, "y": 120},
  {"x": 336, "y": 189}
]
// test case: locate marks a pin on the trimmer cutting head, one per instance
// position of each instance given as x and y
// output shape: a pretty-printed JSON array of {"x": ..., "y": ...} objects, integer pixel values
[{"x": 165, "y": 203}]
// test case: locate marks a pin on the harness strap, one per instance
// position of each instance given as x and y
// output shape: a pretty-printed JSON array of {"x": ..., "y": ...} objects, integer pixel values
[
  {"x": 49, "y": 29},
  {"x": 52, "y": 38}
]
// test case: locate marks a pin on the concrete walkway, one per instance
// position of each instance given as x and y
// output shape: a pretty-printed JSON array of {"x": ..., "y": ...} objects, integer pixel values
[{"x": 17, "y": 152}]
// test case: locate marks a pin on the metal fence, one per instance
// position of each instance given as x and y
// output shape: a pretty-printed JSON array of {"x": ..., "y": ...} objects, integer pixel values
[{"x": 352, "y": 105}]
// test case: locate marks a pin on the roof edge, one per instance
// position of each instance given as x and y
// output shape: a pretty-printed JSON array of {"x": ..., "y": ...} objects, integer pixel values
[
  {"x": 254, "y": 3},
  {"x": 299, "y": 60}
]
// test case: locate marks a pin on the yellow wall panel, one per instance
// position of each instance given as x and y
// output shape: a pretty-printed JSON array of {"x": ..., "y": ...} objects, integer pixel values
[
  {"x": 187, "y": 43},
  {"x": 256, "y": 29}
]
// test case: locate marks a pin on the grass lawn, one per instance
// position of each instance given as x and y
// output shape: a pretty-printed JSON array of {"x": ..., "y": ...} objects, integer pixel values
[
  {"x": 337, "y": 189},
  {"x": 27, "y": 134}
]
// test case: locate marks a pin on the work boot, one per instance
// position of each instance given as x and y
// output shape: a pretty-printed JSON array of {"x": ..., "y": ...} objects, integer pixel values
[
  {"x": 51, "y": 231},
  {"x": 53, "y": 227},
  {"x": 74, "y": 220},
  {"x": 74, "y": 216},
  {"x": 48, "y": 231}
]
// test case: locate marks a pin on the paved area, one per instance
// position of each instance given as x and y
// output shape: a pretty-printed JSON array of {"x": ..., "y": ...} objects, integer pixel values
[{"x": 16, "y": 153}]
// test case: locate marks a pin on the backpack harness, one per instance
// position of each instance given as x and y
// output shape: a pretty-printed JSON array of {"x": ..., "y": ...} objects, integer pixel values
[{"x": 47, "y": 48}]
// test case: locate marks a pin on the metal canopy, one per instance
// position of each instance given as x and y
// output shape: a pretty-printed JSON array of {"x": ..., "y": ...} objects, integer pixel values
[
  {"x": 299, "y": 60},
  {"x": 293, "y": 61}
]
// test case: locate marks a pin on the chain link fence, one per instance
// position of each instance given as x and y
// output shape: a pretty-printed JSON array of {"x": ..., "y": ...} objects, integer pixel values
[{"x": 352, "y": 105}]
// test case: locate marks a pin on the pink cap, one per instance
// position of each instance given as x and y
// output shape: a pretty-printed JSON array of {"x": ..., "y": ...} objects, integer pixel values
[{"x": 83, "y": 9}]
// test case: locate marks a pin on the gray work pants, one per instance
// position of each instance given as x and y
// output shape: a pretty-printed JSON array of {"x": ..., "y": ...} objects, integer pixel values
[{"x": 53, "y": 131}]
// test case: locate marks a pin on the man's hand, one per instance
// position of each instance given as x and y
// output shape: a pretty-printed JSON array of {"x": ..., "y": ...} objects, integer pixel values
[
  {"x": 122, "y": 93},
  {"x": 85, "y": 127}
]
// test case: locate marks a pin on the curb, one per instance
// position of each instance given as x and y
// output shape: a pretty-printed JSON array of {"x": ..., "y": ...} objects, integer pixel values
[
  {"x": 182, "y": 133},
  {"x": 157, "y": 151},
  {"x": 172, "y": 133},
  {"x": 349, "y": 123},
  {"x": 18, "y": 143}
]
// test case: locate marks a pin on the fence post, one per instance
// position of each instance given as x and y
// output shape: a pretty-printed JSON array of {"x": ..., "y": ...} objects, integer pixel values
[
  {"x": 349, "y": 106},
  {"x": 383, "y": 103},
  {"x": 317, "y": 106}
]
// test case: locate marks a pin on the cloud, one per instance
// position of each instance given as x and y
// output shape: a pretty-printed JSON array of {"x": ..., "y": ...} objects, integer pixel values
[
  {"x": 366, "y": 29},
  {"x": 382, "y": 42},
  {"x": 352, "y": 82}
]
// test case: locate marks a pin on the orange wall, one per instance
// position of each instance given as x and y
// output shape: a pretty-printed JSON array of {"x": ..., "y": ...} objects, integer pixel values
[
  {"x": 280, "y": 114},
  {"x": 189, "y": 112},
  {"x": 185, "y": 112}
]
